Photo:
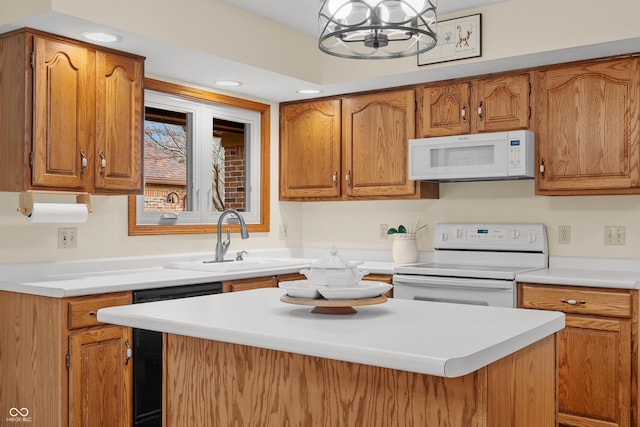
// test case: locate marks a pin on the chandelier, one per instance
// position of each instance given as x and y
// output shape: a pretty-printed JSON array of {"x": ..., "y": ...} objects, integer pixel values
[{"x": 376, "y": 29}]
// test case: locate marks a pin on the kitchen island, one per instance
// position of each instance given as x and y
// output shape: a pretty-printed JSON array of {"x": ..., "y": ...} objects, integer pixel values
[{"x": 249, "y": 359}]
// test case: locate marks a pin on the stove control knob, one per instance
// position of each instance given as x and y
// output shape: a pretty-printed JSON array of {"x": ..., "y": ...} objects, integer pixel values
[
  {"x": 515, "y": 234},
  {"x": 531, "y": 238},
  {"x": 458, "y": 233},
  {"x": 444, "y": 236}
]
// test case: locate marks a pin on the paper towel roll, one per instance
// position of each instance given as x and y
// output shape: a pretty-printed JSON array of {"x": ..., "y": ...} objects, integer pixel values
[{"x": 58, "y": 213}]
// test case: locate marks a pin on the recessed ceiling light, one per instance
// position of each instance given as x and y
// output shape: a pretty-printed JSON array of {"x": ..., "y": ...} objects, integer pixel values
[
  {"x": 309, "y": 91},
  {"x": 228, "y": 83},
  {"x": 98, "y": 36}
]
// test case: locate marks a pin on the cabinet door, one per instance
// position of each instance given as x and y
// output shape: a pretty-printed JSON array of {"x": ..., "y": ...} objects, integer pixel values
[
  {"x": 588, "y": 133},
  {"x": 119, "y": 123},
  {"x": 248, "y": 284},
  {"x": 594, "y": 372},
  {"x": 502, "y": 103},
  {"x": 64, "y": 115},
  {"x": 376, "y": 132},
  {"x": 444, "y": 110},
  {"x": 100, "y": 378},
  {"x": 310, "y": 150}
]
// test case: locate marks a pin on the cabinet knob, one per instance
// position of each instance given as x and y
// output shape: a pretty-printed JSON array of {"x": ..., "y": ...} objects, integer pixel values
[
  {"x": 128, "y": 352},
  {"x": 347, "y": 177},
  {"x": 335, "y": 178},
  {"x": 480, "y": 111},
  {"x": 463, "y": 113}
]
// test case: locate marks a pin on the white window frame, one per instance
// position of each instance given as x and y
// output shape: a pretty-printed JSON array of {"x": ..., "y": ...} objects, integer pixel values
[{"x": 203, "y": 114}]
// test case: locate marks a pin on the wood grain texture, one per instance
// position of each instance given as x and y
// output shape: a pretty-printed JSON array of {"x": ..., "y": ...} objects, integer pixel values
[
  {"x": 589, "y": 301},
  {"x": 213, "y": 383},
  {"x": 32, "y": 348},
  {"x": 444, "y": 110},
  {"x": 589, "y": 128},
  {"x": 310, "y": 156},
  {"x": 100, "y": 378},
  {"x": 120, "y": 114},
  {"x": 376, "y": 130},
  {"x": 504, "y": 103},
  {"x": 82, "y": 311},
  {"x": 597, "y": 354}
]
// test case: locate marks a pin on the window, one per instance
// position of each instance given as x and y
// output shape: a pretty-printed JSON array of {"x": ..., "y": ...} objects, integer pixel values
[{"x": 203, "y": 153}]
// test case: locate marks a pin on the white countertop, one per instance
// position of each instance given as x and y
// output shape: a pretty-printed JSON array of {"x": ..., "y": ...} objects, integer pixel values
[
  {"x": 591, "y": 272},
  {"x": 69, "y": 279},
  {"x": 447, "y": 340}
]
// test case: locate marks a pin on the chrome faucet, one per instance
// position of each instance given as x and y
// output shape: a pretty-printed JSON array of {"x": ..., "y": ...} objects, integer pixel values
[{"x": 222, "y": 247}]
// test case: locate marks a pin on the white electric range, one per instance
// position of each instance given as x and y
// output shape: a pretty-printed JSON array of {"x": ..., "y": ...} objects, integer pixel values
[{"x": 474, "y": 264}]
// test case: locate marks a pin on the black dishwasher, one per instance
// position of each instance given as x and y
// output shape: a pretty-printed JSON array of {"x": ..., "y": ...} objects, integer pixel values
[{"x": 147, "y": 354}]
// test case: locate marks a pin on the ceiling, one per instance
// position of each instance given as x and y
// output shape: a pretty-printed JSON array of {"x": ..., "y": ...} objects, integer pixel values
[
  {"x": 172, "y": 62},
  {"x": 302, "y": 15}
]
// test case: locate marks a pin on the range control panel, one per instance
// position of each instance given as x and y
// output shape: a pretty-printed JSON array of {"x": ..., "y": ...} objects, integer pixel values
[{"x": 491, "y": 237}]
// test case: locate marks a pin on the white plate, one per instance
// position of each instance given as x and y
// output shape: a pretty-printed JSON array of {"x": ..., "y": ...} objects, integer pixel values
[
  {"x": 300, "y": 289},
  {"x": 364, "y": 289}
]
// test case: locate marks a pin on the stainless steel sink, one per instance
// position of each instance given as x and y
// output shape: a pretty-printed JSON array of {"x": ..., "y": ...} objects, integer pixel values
[{"x": 250, "y": 264}]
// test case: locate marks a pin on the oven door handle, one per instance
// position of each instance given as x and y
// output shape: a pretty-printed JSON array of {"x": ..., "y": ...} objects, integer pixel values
[{"x": 429, "y": 281}]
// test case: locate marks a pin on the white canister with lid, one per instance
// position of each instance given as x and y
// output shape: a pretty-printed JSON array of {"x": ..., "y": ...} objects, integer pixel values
[{"x": 404, "y": 248}]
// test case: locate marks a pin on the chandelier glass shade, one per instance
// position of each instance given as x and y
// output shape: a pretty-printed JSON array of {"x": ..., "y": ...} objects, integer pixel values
[{"x": 376, "y": 29}]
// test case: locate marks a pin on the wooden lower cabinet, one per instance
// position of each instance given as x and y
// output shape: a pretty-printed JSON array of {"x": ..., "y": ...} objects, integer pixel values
[
  {"x": 259, "y": 282},
  {"x": 596, "y": 354},
  {"x": 61, "y": 364}
]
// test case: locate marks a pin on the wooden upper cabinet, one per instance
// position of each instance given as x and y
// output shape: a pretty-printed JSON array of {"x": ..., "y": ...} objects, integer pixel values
[
  {"x": 588, "y": 129},
  {"x": 502, "y": 103},
  {"x": 66, "y": 106},
  {"x": 63, "y": 81},
  {"x": 310, "y": 150},
  {"x": 485, "y": 105},
  {"x": 350, "y": 148},
  {"x": 119, "y": 123},
  {"x": 376, "y": 133},
  {"x": 445, "y": 110}
]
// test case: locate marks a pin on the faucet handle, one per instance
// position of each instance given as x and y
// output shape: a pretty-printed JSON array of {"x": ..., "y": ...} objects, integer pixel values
[{"x": 240, "y": 254}]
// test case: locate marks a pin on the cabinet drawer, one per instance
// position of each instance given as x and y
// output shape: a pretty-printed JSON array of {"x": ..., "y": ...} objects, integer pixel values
[
  {"x": 82, "y": 312},
  {"x": 599, "y": 302}
]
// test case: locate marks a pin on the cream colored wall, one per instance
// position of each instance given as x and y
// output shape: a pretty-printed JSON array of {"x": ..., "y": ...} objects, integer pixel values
[
  {"x": 510, "y": 28},
  {"x": 104, "y": 235},
  {"x": 355, "y": 224}
]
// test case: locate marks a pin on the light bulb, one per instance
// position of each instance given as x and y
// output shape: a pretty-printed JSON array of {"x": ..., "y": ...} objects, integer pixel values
[{"x": 339, "y": 9}]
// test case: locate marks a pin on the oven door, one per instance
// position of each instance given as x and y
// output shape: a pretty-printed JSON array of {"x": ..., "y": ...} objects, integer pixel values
[{"x": 490, "y": 292}]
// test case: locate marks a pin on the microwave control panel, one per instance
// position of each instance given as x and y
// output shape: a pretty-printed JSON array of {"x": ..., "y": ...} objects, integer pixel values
[{"x": 520, "y": 155}]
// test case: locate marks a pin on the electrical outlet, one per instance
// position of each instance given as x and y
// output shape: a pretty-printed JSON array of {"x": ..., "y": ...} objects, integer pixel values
[
  {"x": 614, "y": 235},
  {"x": 564, "y": 234},
  {"x": 382, "y": 231},
  {"x": 67, "y": 238},
  {"x": 282, "y": 231}
]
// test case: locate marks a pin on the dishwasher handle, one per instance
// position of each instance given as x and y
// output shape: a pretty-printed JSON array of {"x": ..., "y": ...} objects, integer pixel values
[{"x": 459, "y": 282}]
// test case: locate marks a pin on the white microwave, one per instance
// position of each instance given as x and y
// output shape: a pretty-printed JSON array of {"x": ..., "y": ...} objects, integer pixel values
[{"x": 476, "y": 157}]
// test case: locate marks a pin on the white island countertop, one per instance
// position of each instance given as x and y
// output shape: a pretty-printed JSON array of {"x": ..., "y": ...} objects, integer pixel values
[{"x": 447, "y": 340}]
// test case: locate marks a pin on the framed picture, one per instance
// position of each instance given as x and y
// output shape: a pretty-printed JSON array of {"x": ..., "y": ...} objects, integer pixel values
[{"x": 458, "y": 38}]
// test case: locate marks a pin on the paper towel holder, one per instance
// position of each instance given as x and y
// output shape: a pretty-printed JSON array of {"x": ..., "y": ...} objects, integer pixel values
[{"x": 25, "y": 201}]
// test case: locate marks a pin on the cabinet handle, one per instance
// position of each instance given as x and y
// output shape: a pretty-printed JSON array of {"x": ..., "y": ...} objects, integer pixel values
[
  {"x": 103, "y": 163},
  {"x": 347, "y": 177},
  {"x": 335, "y": 178},
  {"x": 92, "y": 313},
  {"x": 542, "y": 168},
  {"x": 480, "y": 111},
  {"x": 463, "y": 113},
  {"x": 83, "y": 162},
  {"x": 573, "y": 302},
  {"x": 127, "y": 352}
]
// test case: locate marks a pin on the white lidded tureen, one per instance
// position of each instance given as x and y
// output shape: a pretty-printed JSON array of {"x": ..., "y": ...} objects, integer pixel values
[{"x": 334, "y": 270}]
